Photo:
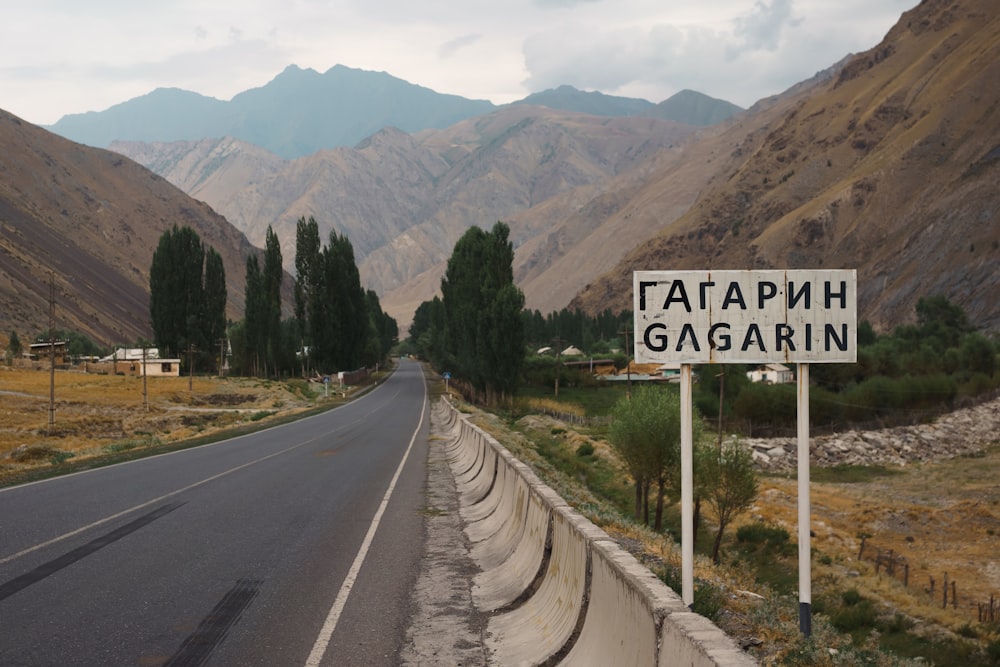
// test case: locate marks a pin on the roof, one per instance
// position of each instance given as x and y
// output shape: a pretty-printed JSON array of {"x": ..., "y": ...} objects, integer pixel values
[{"x": 134, "y": 354}]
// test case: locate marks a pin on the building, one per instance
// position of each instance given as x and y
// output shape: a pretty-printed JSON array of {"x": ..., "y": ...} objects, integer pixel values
[
  {"x": 129, "y": 361},
  {"x": 772, "y": 374},
  {"x": 43, "y": 351}
]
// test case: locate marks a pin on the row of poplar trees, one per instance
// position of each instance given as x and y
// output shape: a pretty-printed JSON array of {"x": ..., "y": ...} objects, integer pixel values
[
  {"x": 337, "y": 325},
  {"x": 474, "y": 330}
]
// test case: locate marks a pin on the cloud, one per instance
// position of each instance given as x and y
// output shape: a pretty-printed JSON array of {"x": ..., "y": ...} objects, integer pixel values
[
  {"x": 761, "y": 29},
  {"x": 449, "y": 48}
]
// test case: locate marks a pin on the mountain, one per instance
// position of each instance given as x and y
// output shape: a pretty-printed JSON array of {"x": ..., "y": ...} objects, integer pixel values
[
  {"x": 404, "y": 200},
  {"x": 694, "y": 108},
  {"x": 568, "y": 98},
  {"x": 301, "y": 111},
  {"x": 687, "y": 106},
  {"x": 297, "y": 113},
  {"x": 891, "y": 167},
  {"x": 88, "y": 220}
]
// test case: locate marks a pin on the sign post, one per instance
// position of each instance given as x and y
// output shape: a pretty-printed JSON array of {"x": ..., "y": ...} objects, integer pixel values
[
  {"x": 746, "y": 317},
  {"x": 805, "y": 562},
  {"x": 687, "y": 488}
]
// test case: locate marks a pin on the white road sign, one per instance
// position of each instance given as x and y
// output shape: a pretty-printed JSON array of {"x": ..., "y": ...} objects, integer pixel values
[{"x": 783, "y": 316}]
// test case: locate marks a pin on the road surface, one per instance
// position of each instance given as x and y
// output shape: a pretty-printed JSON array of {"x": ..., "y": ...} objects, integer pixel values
[{"x": 297, "y": 545}]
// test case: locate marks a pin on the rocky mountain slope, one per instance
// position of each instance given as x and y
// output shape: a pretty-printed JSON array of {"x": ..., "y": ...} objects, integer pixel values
[
  {"x": 892, "y": 167},
  {"x": 404, "y": 200},
  {"x": 88, "y": 220}
]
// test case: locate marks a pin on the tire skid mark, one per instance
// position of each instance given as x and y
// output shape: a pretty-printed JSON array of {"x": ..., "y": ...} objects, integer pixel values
[
  {"x": 47, "y": 569},
  {"x": 200, "y": 644}
]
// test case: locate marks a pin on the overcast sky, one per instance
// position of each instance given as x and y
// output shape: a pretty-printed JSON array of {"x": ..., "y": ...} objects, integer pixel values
[{"x": 70, "y": 56}]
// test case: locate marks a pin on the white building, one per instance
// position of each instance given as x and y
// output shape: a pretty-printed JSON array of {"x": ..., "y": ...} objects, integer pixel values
[
  {"x": 129, "y": 361},
  {"x": 772, "y": 374}
]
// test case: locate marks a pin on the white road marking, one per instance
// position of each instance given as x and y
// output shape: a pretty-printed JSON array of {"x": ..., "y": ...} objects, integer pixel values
[{"x": 326, "y": 633}]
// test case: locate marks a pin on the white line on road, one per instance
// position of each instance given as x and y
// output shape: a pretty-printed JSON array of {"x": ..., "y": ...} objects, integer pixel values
[{"x": 326, "y": 633}]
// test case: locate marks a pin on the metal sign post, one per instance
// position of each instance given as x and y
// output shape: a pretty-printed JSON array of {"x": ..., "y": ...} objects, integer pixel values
[
  {"x": 805, "y": 561},
  {"x": 687, "y": 488}
]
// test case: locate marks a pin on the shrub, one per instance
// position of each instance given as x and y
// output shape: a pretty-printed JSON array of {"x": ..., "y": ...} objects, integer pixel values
[
  {"x": 851, "y": 597},
  {"x": 762, "y": 533},
  {"x": 855, "y": 617}
]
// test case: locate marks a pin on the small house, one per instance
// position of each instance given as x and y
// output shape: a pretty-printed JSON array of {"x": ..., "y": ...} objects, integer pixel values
[
  {"x": 45, "y": 351},
  {"x": 772, "y": 374},
  {"x": 131, "y": 361}
]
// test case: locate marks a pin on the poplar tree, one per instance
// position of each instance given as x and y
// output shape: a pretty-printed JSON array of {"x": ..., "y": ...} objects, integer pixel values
[
  {"x": 483, "y": 337},
  {"x": 187, "y": 293},
  {"x": 308, "y": 287},
  {"x": 214, "y": 320},
  {"x": 253, "y": 317}
]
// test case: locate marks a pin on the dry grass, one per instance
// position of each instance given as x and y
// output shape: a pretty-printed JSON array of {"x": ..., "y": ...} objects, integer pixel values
[
  {"x": 941, "y": 517},
  {"x": 101, "y": 414}
]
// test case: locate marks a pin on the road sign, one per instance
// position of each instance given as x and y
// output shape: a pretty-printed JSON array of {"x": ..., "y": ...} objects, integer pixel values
[
  {"x": 717, "y": 317},
  {"x": 783, "y": 316}
]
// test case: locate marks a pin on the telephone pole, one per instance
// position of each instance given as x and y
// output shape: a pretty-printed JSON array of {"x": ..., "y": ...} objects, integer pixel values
[
  {"x": 559, "y": 342},
  {"x": 52, "y": 352},
  {"x": 626, "y": 331}
]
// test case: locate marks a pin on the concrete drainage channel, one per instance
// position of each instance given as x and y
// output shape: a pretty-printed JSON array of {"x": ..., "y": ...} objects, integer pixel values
[{"x": 558, "y": 589}]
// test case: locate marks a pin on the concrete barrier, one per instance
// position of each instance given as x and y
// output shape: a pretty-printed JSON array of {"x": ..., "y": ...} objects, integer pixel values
[
  {"x": 540, "y": 627},
  {"x": 476, "y": 510},
  {"x": 500, "y": 585},
  {"x": 502, "y": 530},
  {"x": 591, "y": 602}
]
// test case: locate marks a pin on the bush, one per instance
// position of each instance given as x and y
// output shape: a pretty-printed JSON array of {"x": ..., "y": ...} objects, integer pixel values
[
  {"x": 851, "y": 597},
  {"x": 855, "y": 617},
  {"x": 762, "y": 533}
]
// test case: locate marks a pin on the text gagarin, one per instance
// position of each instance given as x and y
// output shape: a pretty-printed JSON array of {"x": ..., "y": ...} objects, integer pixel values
[{"x": 745, "y": 316}]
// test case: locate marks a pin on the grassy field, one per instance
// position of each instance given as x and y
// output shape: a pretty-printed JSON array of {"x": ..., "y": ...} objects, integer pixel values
[{"x": 98, "y": 416}]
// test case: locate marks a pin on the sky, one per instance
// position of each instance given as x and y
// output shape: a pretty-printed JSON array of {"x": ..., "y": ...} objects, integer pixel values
[{"x": 60, "y": 57}]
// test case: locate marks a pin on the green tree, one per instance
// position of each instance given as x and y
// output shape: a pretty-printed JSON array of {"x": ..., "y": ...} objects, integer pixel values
[
  {"x": 646, "y": 433},
  {"x": 482, "y": 338},
  {"x": 14, "y": 348},
  {"x": 308, "y": 286},
  {"x": 214, "y": 318},
  {"x": 271, "y": 277},
  {"x": 346, "y": 320},
  {"x": 176, "y": 291},
  {"x": 731, "y": 486},
  {"x": 254, "y": 315}
]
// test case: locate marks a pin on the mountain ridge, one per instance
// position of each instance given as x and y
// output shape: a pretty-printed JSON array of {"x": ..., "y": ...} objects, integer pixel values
[{"x": 301, "y": 111}]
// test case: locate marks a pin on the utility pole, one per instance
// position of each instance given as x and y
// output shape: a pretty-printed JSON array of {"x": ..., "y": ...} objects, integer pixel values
[
  {"x": 190, "y": 369},
  {"x": 626, "y": 331},
  {"x": 558, "y": 342},
  {"x": 222, "y": 355},
  {"x": 52, "y": 352},
  {"x": 145, "y": 388}
]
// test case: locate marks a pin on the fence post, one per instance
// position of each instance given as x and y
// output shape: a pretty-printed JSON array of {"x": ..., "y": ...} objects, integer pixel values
[{"x": 944, "y": 604}]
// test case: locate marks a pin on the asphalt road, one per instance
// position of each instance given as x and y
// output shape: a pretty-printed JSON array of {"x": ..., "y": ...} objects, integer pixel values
[{"x": 298, "y": 545}]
